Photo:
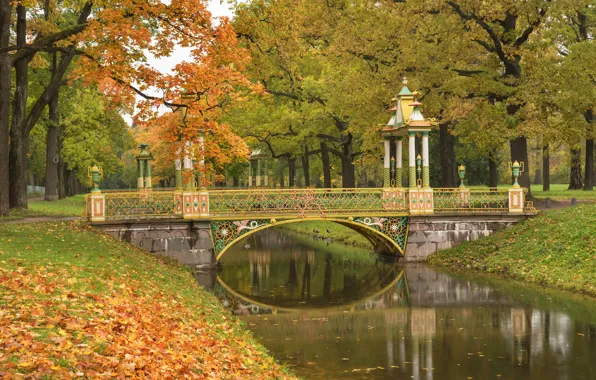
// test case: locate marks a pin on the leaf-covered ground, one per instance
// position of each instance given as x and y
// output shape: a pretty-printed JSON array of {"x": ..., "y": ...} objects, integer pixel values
[
  {"x": 74, "y": 303},
  {"x": 556, "y": 249}
]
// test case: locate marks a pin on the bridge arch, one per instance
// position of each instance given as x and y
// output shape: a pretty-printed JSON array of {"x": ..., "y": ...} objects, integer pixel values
[
  {"x": 399, "y": 284},
  {"x": 388, "y": 235}
]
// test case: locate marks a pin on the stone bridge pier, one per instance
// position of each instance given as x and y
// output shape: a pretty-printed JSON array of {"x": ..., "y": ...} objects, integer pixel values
[
  {"x": 191, "y": 242},
  {"x": 187, "y": 242}
]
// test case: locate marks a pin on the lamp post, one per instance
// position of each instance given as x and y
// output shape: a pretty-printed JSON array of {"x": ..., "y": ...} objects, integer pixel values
[
  {"x": 516, "y": 168},
  {"x": 516, "y": 193},
  {"x": 96, "y": 201},
  {"x": 95, "y": 174},
  {"x": 461, "y": 170}
]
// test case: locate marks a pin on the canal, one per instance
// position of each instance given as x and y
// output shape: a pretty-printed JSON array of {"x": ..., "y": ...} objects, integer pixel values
[{"x": 330, "y": 311}]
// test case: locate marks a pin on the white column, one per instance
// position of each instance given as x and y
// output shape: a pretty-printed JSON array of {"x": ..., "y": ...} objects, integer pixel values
[
  {"x": 387, "y": 159},
  {"x": 249, "y": 173},
  {"x": 386, "y": 165},
  {"x": 412, "y": 159},
  {"x": 398, "y": 152},
  {"x": 425, "y": 161},
  {"x": 258, "y": 172},
  {"x": 188, "y": 166},
  {"x": 187, "y": 159},
  {"x": 202, "y": 171},
  {"x": 412, "y": 151}
]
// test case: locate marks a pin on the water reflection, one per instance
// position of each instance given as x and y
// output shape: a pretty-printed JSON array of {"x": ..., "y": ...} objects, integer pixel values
[{"x": 341, "y": 314}]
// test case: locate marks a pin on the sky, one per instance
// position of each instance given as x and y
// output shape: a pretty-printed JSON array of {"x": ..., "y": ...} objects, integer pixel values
[{"x": 217, "y": 8}]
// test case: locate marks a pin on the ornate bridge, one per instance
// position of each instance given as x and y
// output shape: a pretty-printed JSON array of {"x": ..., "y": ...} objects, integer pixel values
[{"x": 381, "y": 215}]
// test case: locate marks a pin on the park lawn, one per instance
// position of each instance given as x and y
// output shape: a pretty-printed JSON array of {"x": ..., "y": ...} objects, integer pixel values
[
  {"x": 339, "y": 233},
  {"x": 557, "y": 249},
  {"x": 71, "y": 206},
  {"x": 559, "y": 192},
  {"x": 75, "y": 303}
]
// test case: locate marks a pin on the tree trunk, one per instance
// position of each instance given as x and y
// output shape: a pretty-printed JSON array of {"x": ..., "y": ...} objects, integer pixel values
[
  {"x": 18, "y": 154},
  {"x": 281, "y": 178},
  {"x": 590, "y": 177},
  {"x": 51, "y": 182},
  {"x": 519, "y": 152},
  {"x": 493, "y": 180},
  {"x": 61, "y": 170},
  {"x": 575, "y": 176},
  {"x": 5, "y": 82},
  {"x": 545, "y": 168},
  {"x": 236, "y": 181},
  {"x": 306, "y": 167},
  {"x": 537, "y": 176},
  {"x": 68, "y": 183},
  {"x": 347, "y": 164},
  {"x": 291, "y": 172},
  {"x": 326, "y": 166},
  {"x": 447, "y": 154}
]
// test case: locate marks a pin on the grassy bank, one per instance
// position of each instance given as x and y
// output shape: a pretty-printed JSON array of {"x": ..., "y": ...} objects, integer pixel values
[
  {"x": 74, "y": 303},
  {"x": 71, "y": 206},
  {"x": 557, "y": 249},
  {"x": 337, "y": 232}
]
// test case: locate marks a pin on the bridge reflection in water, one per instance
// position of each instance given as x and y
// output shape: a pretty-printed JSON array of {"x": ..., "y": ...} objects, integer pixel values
[{"x": 332, "y": 312}]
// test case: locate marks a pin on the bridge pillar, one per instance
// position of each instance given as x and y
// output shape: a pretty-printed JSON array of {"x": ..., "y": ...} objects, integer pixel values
[
  {"x": 386, "y": 162},
  {"x": 144, "y": 165},
  {"x": 516, "y": 193},
  {"x": 249, "y": 173},
  {"x": 425, "y": 161},
  {"x": 97, "y": 207},
  {"x": 398, "y": 159},
  {"x": 516, "y": 200}
]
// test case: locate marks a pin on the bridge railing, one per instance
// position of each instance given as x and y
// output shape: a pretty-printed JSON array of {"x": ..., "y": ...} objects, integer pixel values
[
  {"x": 471, "y": 200},
  {"x": 300, "y": 202},
  {"x": 139, "y": 205}
]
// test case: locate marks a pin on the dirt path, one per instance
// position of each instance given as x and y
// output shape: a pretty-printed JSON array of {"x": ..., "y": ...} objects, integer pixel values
[{"x": 41, "y": 219}]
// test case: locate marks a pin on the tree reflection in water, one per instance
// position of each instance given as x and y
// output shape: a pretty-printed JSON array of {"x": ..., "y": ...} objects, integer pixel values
[{"x": 332, "y": 317}]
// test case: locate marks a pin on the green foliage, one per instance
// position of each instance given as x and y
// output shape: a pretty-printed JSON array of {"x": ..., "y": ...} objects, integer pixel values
[
  {"x": 94, "y": 133},
  {"x": 556, "y": 249}
]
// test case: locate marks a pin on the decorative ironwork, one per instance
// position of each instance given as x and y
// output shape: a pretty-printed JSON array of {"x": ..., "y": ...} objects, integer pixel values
[
  {"x": 471, "y": 200},
  {"x": 396, "y": 228},
  {"x": 298, "y": 202},
  {"x": 224, "y": 232},
  {"x": 140, "y": 205}
]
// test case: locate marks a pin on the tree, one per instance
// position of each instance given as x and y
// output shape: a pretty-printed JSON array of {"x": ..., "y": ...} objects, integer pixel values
[{"x": 113, "y": 46}]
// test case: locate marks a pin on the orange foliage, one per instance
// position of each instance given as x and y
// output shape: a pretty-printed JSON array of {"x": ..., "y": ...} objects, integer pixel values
[{"x": 117, "y": 42}]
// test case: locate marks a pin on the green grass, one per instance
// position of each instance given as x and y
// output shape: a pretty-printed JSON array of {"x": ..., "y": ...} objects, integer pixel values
[
  {"x": 63, "y": 283},
  {"x": 339, "y": 233},
  {"x": 559, "y": 192},
  {"x": 557, "y": 249},
  {"x": 71, "y": 206}
]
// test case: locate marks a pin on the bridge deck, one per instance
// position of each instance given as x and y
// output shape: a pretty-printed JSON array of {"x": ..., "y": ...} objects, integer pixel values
[{"x": 300, "y": 203}]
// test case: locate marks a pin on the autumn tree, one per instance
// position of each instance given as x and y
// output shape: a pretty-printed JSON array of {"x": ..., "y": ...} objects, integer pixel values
[{"x": 113, "y": 40}]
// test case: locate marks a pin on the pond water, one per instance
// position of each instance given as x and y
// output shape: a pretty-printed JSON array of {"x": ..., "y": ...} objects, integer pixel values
[{"x": 331, "y": 311}]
